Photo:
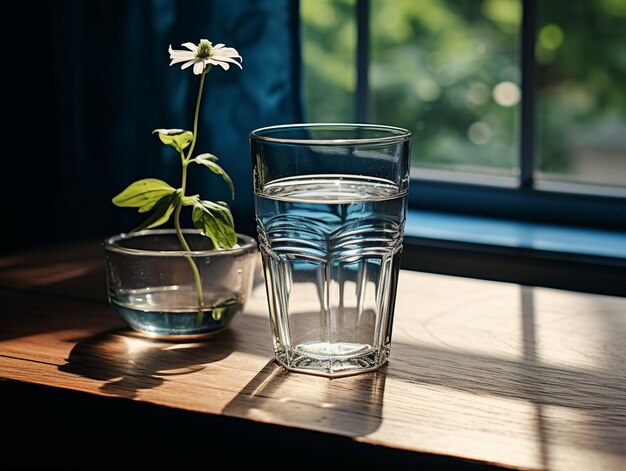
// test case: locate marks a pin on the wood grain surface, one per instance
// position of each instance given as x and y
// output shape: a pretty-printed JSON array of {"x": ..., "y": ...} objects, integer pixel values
[{"x": 522, "y": 377}]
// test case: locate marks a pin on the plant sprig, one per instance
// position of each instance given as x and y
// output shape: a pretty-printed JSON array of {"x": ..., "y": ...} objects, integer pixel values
[{"x": 212, "y": 218}]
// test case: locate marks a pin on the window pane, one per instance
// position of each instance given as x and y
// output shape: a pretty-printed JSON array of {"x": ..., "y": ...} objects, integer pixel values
[
  {"x": 448, "y": 71},
  {"x": 329, "y": 56},
  {"x": 581, "y": 55}
]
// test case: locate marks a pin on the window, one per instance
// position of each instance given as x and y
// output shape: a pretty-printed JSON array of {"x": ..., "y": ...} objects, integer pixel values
[{"x": 517, "y": 106}]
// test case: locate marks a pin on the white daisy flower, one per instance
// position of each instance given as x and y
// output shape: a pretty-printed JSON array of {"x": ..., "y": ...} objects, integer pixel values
[{"x": 205, "y": 54}]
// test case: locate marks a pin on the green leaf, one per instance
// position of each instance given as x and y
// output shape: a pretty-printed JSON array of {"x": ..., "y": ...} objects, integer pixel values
[
  {"x": 179, "y": 139},
  {"x": 143, "y": 194},
  {"x": 207, "y": 156},
  {"x": 190, "y": 200},
  {"x": 161, "y": 212},
  {"x": 208, "y": 160},
  {"x": 215, "y": 220},
  {"x": 218, "y": 312}
]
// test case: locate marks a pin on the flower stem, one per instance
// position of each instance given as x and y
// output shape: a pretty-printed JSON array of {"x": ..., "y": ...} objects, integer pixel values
[
  {"x": 192, "y": 263},
  {"x": 195, "y": 119},
  {"x": 183, "y": 186}
]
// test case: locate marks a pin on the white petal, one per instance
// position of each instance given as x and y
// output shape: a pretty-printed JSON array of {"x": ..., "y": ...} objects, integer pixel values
[
  {"x": 191, "y": 46},
  {"x": 218, "y": 46},
  {"x": 198, "y": 68},
  {"x": 227, "y": 51},
  {"x": 181, "y": 57},
  {"x": 231, "y": 60},
  {"x": 227, "y": 59},
  {"x": 187, "y": 64},
  {"x": 223, "y": 65},
  {"x": 182, "y": 54},
  {"x": 174, "y": 51},
  {"x": 220, "y": 54}
]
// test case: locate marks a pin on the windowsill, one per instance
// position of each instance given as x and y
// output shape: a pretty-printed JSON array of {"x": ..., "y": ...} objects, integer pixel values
[
  {"x": 516, "y": 234},
  {"x": 582, "y": 259}
]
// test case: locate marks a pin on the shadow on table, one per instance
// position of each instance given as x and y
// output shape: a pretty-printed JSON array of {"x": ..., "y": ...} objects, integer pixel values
[
  {"x": 350, "y": 406},
  {"x": 129, "y": 363},
  {"x": 565, "y": 405}
]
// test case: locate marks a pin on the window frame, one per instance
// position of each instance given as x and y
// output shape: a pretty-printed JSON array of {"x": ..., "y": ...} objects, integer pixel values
[{"x": 521, "y": 197}]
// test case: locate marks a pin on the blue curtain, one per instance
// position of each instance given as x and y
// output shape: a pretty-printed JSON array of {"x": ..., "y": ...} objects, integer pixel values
[{"x": 91, "y": 80}]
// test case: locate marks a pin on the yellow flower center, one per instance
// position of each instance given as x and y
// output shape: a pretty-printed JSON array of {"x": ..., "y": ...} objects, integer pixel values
[{"x": 205, "y": 49}]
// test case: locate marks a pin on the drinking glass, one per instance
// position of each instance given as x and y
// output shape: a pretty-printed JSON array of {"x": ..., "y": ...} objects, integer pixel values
[{"x": 330, "y": 204}]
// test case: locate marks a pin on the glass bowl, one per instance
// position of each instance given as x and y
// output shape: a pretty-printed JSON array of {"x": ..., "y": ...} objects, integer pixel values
[{"x": 151, "y": 282}]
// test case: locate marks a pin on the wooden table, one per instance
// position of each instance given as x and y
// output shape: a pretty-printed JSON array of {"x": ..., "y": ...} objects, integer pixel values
[{"x": 491, "y": 373}]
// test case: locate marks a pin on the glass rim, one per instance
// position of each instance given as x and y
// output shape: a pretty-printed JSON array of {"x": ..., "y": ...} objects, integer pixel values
[
  {"x": 111, "y": 244},
  {"x": 397, "y": 134}
]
